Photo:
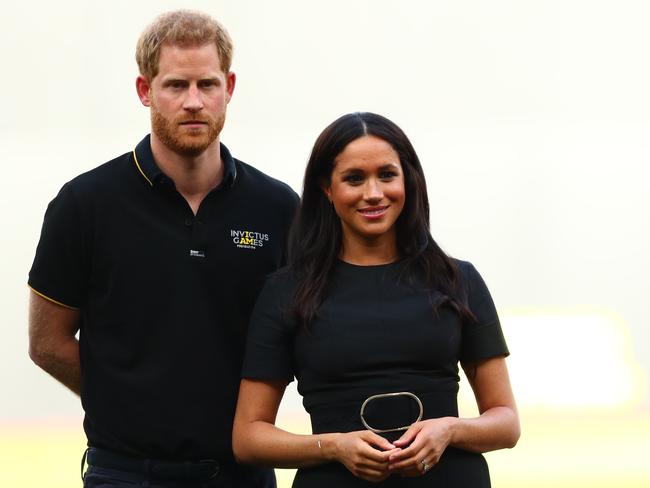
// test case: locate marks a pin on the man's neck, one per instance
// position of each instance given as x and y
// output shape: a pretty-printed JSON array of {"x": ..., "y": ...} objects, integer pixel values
[{"x": 194, "y": 176}]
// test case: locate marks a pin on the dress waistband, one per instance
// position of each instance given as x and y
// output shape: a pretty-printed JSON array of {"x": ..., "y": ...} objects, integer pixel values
[{"x": 383, "y": 413}]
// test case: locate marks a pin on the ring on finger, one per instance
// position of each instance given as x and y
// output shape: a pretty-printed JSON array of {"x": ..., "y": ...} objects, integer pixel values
[{"x": 425, "y": 466}]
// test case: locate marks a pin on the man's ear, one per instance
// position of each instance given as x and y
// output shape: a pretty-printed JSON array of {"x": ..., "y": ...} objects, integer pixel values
[
  {"x": 230, "y": 85},
  {"x": 143, "y": 87}
]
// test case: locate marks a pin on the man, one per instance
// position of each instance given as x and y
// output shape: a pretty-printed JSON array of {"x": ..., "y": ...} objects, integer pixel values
[{"x": 156, "y": 258}]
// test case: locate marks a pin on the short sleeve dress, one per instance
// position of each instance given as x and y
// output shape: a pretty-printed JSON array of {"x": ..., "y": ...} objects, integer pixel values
[{"x": 375, "y": 334}]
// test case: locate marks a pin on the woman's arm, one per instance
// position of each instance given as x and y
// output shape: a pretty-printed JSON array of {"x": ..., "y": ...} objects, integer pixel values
[
  {"x": 256, "y": 439},
  {"x": 496, "y": 427}
]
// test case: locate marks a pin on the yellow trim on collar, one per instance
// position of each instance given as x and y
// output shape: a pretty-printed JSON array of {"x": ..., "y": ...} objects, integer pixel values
[
  {"x": 135, "y": 158},
  {"x": 52, "y": 299}
]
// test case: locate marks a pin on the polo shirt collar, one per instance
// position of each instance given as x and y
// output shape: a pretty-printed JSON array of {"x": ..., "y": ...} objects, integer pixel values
[{"x": 149, "y": 170}]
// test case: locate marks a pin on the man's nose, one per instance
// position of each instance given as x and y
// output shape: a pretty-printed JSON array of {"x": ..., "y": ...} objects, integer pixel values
[{"x": 193, "y": 101}]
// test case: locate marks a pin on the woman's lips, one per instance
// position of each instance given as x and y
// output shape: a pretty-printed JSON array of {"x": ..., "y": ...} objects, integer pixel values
[{"x": 373, "y": 212}]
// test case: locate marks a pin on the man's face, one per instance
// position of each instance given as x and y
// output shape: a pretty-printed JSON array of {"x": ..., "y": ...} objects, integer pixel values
[{"x": 188, "y": 98}]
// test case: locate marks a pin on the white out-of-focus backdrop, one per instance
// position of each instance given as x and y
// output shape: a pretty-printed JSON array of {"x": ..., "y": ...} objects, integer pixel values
[{"x": 530, "y": 118}]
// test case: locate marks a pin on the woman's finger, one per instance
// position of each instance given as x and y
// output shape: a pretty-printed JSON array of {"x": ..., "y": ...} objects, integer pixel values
[
  {"x": 410, "y": 451},
  {"x": 378, "y": 441},
  {"x": 408, "y": 436}
]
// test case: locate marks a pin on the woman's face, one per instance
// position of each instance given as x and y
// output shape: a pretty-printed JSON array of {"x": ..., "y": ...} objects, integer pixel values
[{"x": 367, "y": 189}]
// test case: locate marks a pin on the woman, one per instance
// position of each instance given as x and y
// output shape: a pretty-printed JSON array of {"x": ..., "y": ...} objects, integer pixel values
[{"x": 369, "y": 306}]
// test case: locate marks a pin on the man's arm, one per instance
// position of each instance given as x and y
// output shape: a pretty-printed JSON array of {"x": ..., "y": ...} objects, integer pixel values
[{"x": 52, "y": 342}]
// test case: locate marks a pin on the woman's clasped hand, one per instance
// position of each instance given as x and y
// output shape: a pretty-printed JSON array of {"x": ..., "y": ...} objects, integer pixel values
[{"x": 373, "y": 458}]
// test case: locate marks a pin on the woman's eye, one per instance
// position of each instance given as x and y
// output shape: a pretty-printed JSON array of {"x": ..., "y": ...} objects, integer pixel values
[
  {"x": 353, "y": 179},
  {"x": 386, "y": 175}
]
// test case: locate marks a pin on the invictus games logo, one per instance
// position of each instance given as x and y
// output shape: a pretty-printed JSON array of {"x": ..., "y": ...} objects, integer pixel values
[{"x": 247, "y": 239}]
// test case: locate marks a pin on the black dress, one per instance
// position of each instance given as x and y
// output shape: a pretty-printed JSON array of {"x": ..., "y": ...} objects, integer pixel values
[{"x": 375, "y": 334}]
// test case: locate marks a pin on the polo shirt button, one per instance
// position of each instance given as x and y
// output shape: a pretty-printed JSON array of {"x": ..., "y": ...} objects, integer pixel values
[{"x": 188, "y": 222}]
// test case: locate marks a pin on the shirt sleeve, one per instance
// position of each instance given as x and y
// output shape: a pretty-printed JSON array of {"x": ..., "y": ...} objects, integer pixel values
[
  {"x": 483, "y": 338},
  {"x": 59, "y": 272},
  {"x": 269, "y": 346}
]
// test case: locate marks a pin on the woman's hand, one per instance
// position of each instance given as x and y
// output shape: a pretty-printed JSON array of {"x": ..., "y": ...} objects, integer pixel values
[
  {"x": 365, "y": 454},
  {"x": 421, "y": 446},
  {"x": 497, "y": 427}
]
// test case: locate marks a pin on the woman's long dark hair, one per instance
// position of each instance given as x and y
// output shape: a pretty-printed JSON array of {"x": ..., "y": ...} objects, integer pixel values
[{"x": 315, "y": 241}]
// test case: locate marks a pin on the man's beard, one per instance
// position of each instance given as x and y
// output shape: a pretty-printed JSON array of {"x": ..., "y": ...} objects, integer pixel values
[{"x": 182, "y": 141}]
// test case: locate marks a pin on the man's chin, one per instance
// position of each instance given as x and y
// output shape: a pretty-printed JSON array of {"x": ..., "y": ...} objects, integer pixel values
[
  {"x": 191, "y": 151},
  {"x": 189, "y": 147}
]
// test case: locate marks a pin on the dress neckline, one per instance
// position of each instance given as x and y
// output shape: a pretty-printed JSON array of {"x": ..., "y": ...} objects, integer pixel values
[{"x": 351, "y": 266}]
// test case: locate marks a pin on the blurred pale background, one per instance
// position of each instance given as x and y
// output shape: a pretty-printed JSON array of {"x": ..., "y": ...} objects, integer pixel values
[{"x": 530, "y": 117}]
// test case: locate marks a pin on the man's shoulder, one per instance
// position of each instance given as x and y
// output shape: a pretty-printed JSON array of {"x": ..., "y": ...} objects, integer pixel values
[
  {"x": 106, "y": 175},
  {"x": 264, "y": 186}
]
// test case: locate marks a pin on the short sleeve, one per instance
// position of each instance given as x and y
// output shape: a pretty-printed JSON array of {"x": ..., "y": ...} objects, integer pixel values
[
  {"x": 482, "y": 338},
  {"x": 269, "y": 346},
  {"x": 60, "y": 269}
]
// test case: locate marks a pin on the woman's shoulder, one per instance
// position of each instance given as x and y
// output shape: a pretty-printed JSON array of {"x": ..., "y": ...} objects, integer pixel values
[
  {"x": 465, "y": 268},
  {"x": 275, "y": 297},
  {"x": 468, "y": 276},
  {"x": 472, "y": 283},
  {"x": 281, "y": 285}
]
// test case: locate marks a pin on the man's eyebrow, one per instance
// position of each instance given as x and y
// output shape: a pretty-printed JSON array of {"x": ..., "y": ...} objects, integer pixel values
[
  {"x": 175, "y": 79},
  {"x": 167, "y": 81},
  {"x": 212, "y": 80}
]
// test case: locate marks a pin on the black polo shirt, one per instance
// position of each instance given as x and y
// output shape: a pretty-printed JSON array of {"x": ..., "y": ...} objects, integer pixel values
[{"x": 165, "y": 297}]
